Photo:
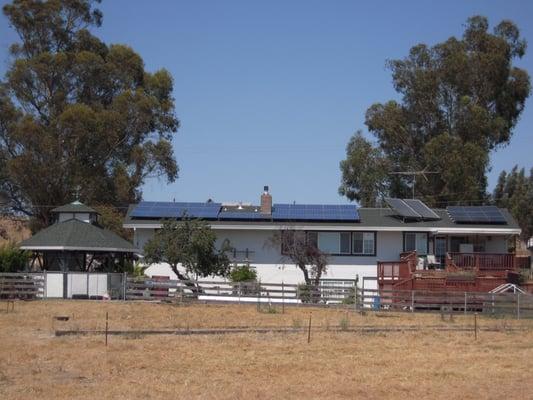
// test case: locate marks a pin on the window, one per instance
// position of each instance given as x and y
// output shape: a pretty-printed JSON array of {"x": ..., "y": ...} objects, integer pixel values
[
  {"x": 416, "y": 241},
  {"x": 334, "y": 242},
  {"x": 345, "y": 242},
  {"x": 329, "y": 242},
  {"x": 364, "y": 243}
]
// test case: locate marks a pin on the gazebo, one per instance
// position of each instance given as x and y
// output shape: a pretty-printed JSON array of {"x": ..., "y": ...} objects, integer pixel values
[{"x": 75, "y": 242}]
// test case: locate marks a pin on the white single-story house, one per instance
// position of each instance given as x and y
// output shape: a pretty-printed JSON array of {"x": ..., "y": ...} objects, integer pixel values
[{"x": 355, "y": 238}]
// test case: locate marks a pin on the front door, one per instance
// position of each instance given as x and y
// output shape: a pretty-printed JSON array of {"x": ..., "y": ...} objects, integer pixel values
[{"x": 440, "y": 250}]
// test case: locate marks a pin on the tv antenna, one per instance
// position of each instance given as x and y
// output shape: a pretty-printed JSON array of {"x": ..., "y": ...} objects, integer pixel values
[{"x": 414, "y": 174}]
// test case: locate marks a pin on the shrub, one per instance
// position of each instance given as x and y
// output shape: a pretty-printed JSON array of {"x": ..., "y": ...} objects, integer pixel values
[
  {"x": 344, "y": 323},
  {"x": 350, "y": 296},
  {"x": 304, "y": 293},
  {"x": 243, "y": 273},
  {"x": 247, "y": 279},
  {"x": 12, "y": 259}
]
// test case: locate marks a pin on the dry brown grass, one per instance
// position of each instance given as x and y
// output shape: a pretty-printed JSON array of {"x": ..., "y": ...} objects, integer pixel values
[{"x": 35, "y": 364}]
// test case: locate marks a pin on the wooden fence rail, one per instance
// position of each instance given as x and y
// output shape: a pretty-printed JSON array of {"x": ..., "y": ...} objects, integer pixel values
[
  {"x": 21, "y": 286},
  {"x": 519, "y": 305}
]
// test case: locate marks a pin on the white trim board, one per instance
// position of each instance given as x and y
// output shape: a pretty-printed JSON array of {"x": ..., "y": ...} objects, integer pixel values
[{"x": 351, "y": 228}]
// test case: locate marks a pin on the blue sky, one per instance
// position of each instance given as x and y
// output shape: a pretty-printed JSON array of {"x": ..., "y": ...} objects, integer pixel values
[{"x": 269, "y": 92}]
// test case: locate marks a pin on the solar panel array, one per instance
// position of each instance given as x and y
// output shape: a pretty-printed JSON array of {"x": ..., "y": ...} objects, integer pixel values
[
  {"x": 280, "y": 212},
  {"x": 412, "y": 209},
  {"x": 318, "y": 212},
  {"x": 156, "y": 209},
  {"x": 476, "y": 215}
]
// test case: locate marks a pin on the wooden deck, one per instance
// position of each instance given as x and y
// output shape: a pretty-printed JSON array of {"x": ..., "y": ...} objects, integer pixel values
[{"x": 478, "y": 272}]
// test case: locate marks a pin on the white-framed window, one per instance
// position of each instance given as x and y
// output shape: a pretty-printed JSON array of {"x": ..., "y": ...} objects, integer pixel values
[
  {"x": 416, "y": 241},
  {"x": 364, "y": 243}
]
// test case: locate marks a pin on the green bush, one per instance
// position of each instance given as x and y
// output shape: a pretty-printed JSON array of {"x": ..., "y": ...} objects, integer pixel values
[
  {"x": 304, "y": 293},
  {"x": 243, "y": 273},
  {"x": 350, "y": 296},
  {"x": 12, "y": 259},
  {"x": 247, "y": 279}
]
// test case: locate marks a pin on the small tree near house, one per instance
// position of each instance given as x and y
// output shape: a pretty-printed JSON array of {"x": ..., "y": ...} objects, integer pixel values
[
  {"x": 191, "y": 243},
  {"x": 302, "y": 249}
]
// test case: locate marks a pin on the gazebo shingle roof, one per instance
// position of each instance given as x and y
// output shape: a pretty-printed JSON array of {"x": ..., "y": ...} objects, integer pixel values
[
  {"x": 75, "y": 235},
  {"x": 74, "y": 207}
]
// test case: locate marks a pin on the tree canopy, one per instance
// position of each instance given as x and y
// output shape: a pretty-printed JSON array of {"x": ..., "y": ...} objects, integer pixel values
[
  {"x": 78, "y": 115},
  {"x": 514, "y": 191},
  {"x": 192, "y": 244},
  {"x": 460, "y": 100}
]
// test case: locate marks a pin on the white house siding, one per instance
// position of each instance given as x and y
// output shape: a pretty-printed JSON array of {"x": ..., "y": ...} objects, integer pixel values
[
  {"x": 141, "y": 236},
  {"x": 272, "y": 266},
  {"x": 496, "y": 244}
]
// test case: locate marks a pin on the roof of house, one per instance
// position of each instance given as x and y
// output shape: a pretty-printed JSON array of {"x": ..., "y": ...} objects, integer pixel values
[
  {"x": 372, "y": 218},
  {"x": 76, "y": 235},
  {"x": 74, "y": 207}
]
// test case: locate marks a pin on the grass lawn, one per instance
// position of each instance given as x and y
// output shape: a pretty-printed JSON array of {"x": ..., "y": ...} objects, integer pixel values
[{"x": 34, "y": 363}]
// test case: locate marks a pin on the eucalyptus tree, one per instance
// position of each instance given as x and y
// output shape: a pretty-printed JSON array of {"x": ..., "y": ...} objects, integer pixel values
[
  {"x": 78, "y": 117},
  {"x": 459, "y": 100}
]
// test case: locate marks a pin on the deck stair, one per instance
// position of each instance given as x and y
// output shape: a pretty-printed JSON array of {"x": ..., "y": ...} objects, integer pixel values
[{"x": 508, "y": 288}]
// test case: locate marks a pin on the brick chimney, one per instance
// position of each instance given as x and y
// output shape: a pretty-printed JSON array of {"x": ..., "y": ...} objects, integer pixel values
[{"x": 266, "y": 202}]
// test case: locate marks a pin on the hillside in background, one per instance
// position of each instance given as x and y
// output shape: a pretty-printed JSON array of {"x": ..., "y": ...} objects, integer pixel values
[{"x": 13, "y": 230}]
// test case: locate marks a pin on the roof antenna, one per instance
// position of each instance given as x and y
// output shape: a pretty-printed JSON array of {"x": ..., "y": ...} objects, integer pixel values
[{"x": 414, "y": 174}]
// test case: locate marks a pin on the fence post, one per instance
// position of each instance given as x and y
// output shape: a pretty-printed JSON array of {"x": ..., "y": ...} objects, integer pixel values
[
  {"x": 309, "y": 329},
  {"x": 518, "y": 306},
  {"x": 124, "y": 284},
  {"x": 475, "y": 326},
  {"x": 466, "y": 302},
  {"x": 45, "y": 295},
  {"x": 87, "y": 276},
  {"x": 282, "y": 297},
  {"x": 412, "y": 301}
]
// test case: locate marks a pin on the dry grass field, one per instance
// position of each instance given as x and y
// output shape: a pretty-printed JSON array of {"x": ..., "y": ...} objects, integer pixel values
[{"x": 35, "y": 364}]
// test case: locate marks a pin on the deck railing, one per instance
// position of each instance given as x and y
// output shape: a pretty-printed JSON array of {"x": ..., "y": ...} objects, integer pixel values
[{"x": 484, "y": 261}]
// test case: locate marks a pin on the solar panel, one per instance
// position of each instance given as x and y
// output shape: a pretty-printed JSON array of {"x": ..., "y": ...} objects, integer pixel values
[
  {"x": 315, "y": 212},
  {"x": 476, "y": 215},
  {"x": 152, "y": 209},
  {"x": 423, "y": 210},
  {"x": 402, "y": 209}
]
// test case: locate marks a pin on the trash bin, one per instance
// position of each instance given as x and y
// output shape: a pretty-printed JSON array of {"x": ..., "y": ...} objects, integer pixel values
[{"x": 376, "y": 303}]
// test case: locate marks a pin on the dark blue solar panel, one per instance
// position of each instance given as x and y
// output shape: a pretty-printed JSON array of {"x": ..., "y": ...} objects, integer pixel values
[
  {"x": 152, "y": 209},
  {"x": 315, "y": 212},
  {"x": 476, "y": 215}
]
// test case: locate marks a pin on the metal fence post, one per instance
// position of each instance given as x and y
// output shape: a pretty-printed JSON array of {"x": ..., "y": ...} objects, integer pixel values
[
  {"x": 518, "y": 306},
  {"x": 466, "y": 302},
  {"x": 412, "y": 301}
]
